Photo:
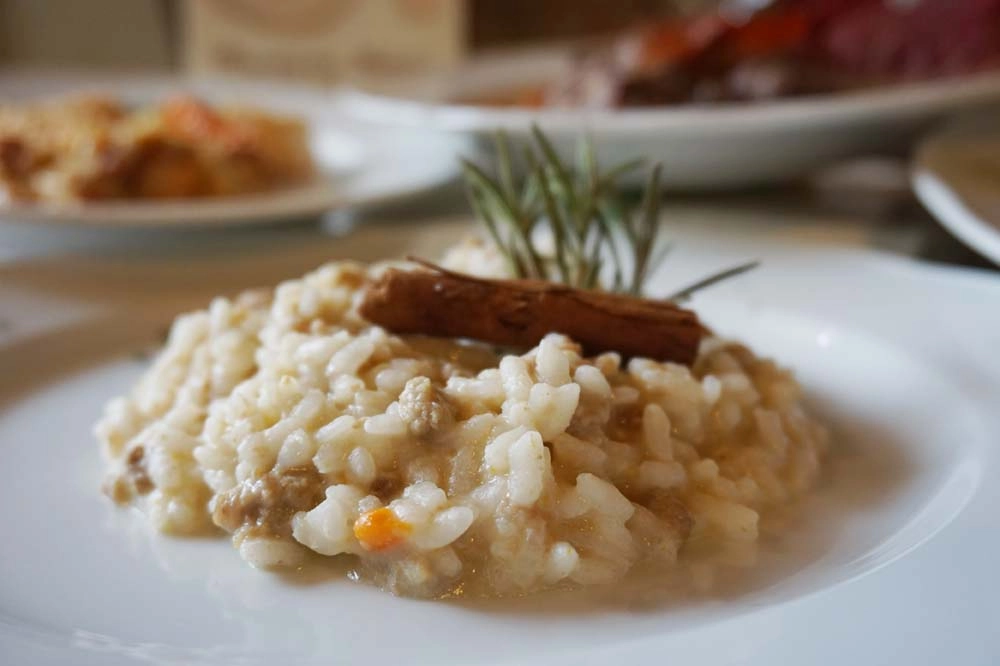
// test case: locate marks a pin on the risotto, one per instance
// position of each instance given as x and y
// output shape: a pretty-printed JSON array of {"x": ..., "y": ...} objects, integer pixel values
[{"x": 298, "y": 428}]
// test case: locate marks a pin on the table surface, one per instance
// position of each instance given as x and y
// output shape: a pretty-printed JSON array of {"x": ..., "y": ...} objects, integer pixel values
[{"x": 886, "y": 219}]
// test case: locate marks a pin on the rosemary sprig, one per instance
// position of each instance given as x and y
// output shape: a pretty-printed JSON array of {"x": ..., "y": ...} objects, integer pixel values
[{"x": 594, "y": 230}]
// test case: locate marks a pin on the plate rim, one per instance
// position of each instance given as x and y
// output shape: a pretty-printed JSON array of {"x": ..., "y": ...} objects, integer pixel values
[
  {"x": 947, "y": 204},
  {"x": 391, "y": 101}
]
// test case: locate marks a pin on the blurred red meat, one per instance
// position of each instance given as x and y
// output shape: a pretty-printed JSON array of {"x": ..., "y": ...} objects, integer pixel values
[
  {"x": 906, "y": 40},
  {"x": 791, "y": 48}
]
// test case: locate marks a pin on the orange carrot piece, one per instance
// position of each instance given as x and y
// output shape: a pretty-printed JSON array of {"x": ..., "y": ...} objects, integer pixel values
[{"x": 380, "y": 529}]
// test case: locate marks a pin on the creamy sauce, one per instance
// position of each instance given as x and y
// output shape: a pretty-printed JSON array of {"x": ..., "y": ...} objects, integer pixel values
[{"x": 792, "y": 539}]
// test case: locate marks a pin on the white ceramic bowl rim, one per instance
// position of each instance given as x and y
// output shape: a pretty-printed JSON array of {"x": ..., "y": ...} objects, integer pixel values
[{"x": 903, "y": 100}]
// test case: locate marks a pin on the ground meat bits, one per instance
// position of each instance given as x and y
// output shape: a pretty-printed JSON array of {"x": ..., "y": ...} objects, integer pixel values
[
  {"x": 265, "y": 506},
  {"x": 134, "y": 479}
]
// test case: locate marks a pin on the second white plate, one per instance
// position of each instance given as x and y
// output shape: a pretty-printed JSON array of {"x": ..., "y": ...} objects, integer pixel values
[
  {"x": 358, "y": 163},
  {"x": 699, "y": 146}
]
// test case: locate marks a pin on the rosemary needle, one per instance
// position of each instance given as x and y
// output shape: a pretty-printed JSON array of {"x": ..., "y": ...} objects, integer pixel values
[{"x": 685, "y": 293}]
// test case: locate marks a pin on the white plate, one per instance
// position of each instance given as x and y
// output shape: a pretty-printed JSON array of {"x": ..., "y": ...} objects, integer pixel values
[
  {"x": 956, "y": 174},
  {"x": 896, "y": 563},
  {"x": 702, "y": 147},
  {"x": 358, "y": 163}
]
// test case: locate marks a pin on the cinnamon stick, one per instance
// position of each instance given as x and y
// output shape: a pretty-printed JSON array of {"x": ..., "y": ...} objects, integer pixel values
[{"x": 520, "y": 312}]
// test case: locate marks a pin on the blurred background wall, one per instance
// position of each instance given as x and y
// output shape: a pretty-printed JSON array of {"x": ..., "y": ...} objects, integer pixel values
[
  {"x": 87, "y": 33},
  {"x": 211, "y": 34}
]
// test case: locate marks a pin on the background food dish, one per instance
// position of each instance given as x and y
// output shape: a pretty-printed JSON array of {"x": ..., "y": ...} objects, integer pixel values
[
  {"x": 89, "y": 148},
  {"x": 725, "y": 98},
  {"x": 750, "y": 52},
  {"x": 355, "y": 162}
]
